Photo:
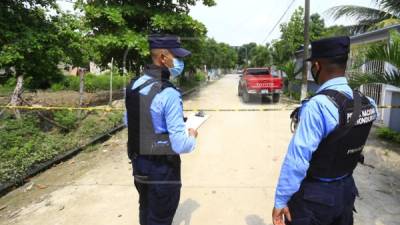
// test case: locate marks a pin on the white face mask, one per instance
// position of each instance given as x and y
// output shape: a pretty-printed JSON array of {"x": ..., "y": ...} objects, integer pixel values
[{"x": 177, "y": 68}]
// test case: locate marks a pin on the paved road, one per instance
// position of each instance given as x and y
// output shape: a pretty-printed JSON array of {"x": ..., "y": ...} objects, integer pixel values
[{"x": 229, "y": 179}]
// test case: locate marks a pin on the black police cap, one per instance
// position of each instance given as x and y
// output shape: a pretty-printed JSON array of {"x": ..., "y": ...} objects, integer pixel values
[
  {"x": 170, "y": 42},
  {"x": 330, "y": 47}
]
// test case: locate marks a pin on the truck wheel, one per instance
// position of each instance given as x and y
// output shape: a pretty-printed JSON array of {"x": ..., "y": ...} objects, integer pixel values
[
  {"x": 275, "y": 98},
  {"x": 239, "y": 91},
  {"x": 245, "y": 96}
]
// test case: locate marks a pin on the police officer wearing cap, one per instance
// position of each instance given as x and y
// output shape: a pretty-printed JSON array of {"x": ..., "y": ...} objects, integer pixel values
[
  {"x": 157, "y": 133},
  {"x": 316, "y": 185}
]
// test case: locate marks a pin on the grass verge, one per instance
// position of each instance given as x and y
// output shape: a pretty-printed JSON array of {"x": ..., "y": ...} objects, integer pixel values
[
  {"x": 388, "y": 134},
  {"x": 30, "y": 140}
]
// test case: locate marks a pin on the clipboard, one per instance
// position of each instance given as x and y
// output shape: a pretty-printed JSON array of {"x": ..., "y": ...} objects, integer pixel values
[{"x": 195, "y": 120}]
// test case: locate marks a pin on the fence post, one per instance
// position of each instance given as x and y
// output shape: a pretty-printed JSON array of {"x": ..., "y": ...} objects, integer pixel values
[
  {"x": 111, "y": 77},
  {"x": 81, "y": 89},
  {"x": 16, "y": 96}
]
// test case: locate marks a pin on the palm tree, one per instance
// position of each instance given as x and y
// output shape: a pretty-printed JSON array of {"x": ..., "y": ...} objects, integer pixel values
[
  {"x": 290, "y": 70},
  {"x": 387, "y": 12},
  {"x": 389, "y": 54}
]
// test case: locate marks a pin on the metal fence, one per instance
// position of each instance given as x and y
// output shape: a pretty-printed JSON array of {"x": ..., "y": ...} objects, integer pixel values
[{"x": 374, "y": 91}]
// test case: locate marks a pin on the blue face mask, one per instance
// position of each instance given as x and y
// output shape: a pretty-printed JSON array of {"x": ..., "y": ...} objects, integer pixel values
[{"x": 178, "y": 67}]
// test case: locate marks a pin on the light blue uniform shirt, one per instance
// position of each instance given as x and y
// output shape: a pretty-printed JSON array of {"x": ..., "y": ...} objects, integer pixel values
[
  {"x": 318, "y": 118},
  {"x": 167, "y": 114}
]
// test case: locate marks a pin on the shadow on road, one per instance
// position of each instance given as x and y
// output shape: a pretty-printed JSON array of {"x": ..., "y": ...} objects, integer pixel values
[
  {"x": 259, "y": 101},
  {"x": 255, "y": 220},
  {"x": 185, "y": 211}
]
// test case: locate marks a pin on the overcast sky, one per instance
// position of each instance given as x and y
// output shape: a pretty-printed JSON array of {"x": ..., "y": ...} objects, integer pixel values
[{"x": 237, "y": 22}]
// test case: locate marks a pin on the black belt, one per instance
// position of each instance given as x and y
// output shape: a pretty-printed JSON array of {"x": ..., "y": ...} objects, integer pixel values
[
  {"x": 171, "y": 159},
  {"x": 328, "y": 180}
]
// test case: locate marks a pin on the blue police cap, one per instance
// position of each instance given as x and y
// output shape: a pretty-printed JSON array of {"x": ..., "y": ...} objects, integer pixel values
[
  {"x": 170, "y": 42},
  {"x": 330, "y": 47}
]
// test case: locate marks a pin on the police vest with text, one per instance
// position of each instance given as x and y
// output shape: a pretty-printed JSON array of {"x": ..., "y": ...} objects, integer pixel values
[
  {"x": 338, "y": 154},
  {"x": 142, "y": 139}
]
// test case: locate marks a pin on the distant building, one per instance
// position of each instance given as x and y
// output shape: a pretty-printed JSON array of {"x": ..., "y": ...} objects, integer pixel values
[{"x": 70, "y": 70}]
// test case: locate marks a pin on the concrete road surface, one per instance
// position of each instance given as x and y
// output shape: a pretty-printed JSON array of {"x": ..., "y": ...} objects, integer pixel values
[{"x": 229, "y": 179}]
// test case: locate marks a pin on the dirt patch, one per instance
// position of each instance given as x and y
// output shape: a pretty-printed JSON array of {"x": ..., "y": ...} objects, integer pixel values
[
  {"x": 36, "y": 194},
  {"x": 66, "y": 98},
  {"x": 379, "y": 183}
]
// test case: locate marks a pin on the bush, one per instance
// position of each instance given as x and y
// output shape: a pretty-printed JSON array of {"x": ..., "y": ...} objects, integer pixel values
[
  {"x": 296, "y": 96},
  {"x": 57, "y": 87},
  {"x": 200, "y": 76},
  {"x": 8, "y": 86},
  {"x": 19, "y": 138},
  {"x": 66, "y": 118},
  {"x": 388, "y": 134},
  {"x": 358, "y": 79},
  {"x": 71, "y": 83},
  {"x": 23, "y": 143},
  {"x": 92, "y": 83}
]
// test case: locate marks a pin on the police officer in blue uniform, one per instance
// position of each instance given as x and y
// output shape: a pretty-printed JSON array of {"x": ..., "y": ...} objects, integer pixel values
[
  {"x": 316, "y": 185},
  {"x": 157, "y": 133}
]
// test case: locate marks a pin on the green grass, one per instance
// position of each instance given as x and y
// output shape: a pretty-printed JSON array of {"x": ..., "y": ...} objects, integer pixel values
[
  {"x": 29, "y": 141},
  {"x": 92, "y": 83},
  {"x": 388, "y": 134},
  {"x": 186, "y": 83},
  {"x": 8, "y": 87}
]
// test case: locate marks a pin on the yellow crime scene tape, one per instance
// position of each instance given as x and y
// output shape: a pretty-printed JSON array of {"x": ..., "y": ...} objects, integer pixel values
[{"x": 120, "y": 109}]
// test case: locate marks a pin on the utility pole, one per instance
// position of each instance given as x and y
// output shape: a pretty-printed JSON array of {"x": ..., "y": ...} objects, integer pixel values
[{"x": 306, "y": 46}]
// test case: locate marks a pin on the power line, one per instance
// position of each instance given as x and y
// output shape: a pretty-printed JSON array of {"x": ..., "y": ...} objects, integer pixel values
[{"x": 279, "y": 21}]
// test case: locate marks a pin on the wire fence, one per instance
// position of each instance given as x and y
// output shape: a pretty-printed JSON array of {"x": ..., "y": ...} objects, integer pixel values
[{"x": 45, "y": 133}]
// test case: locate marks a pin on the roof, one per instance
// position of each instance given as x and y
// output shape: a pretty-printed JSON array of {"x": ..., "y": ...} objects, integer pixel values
[{"x": 373, "y": 36}]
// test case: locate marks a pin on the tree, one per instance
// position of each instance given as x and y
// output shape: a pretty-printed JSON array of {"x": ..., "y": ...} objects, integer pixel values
[
  {"x": 388, "y": 54},
  {"x": 336, "y": 30},
  {"x": 292, "y": 32},
  {"x": 317, "y": 27},
  {"x": 33, "y": 42},
  {"x": 386, "y": 12},
  {"x": 292, "y": 38},
  {"x": 228, "y": 56},
  {"x": 260, "y": 56},
  {"x": 290, "y": 70},
  {"x": 122, "y": 26},
  {"x": 218, "y": 55},
  {"x": 281, "y": 52},
  {"x": 28, "y": 42},
  {"x": 77, "y": 43},
  {"x": 244, "y": 53}
]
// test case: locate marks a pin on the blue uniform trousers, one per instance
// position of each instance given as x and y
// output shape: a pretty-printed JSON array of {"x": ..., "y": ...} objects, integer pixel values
[
  {"x": 323, "y": 203},
  {"x": 158, "y": 184}
]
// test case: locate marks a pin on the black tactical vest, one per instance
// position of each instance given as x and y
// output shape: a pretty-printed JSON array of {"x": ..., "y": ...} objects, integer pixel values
[
  {"x": 142, "y": 139},
  {"x": 338, "y": 154}
]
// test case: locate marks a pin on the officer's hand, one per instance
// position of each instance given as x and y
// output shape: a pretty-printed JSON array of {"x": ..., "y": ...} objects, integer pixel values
[
  {"x": 193, "y": 132},
  {"x": 279, "y": 214}
]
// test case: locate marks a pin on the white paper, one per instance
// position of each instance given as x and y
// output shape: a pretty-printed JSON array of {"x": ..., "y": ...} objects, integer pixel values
[{"x": 195, "y": 122}]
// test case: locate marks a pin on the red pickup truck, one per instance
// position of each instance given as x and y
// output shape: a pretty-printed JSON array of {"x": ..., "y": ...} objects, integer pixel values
[{"x": 260, "y": 82}]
